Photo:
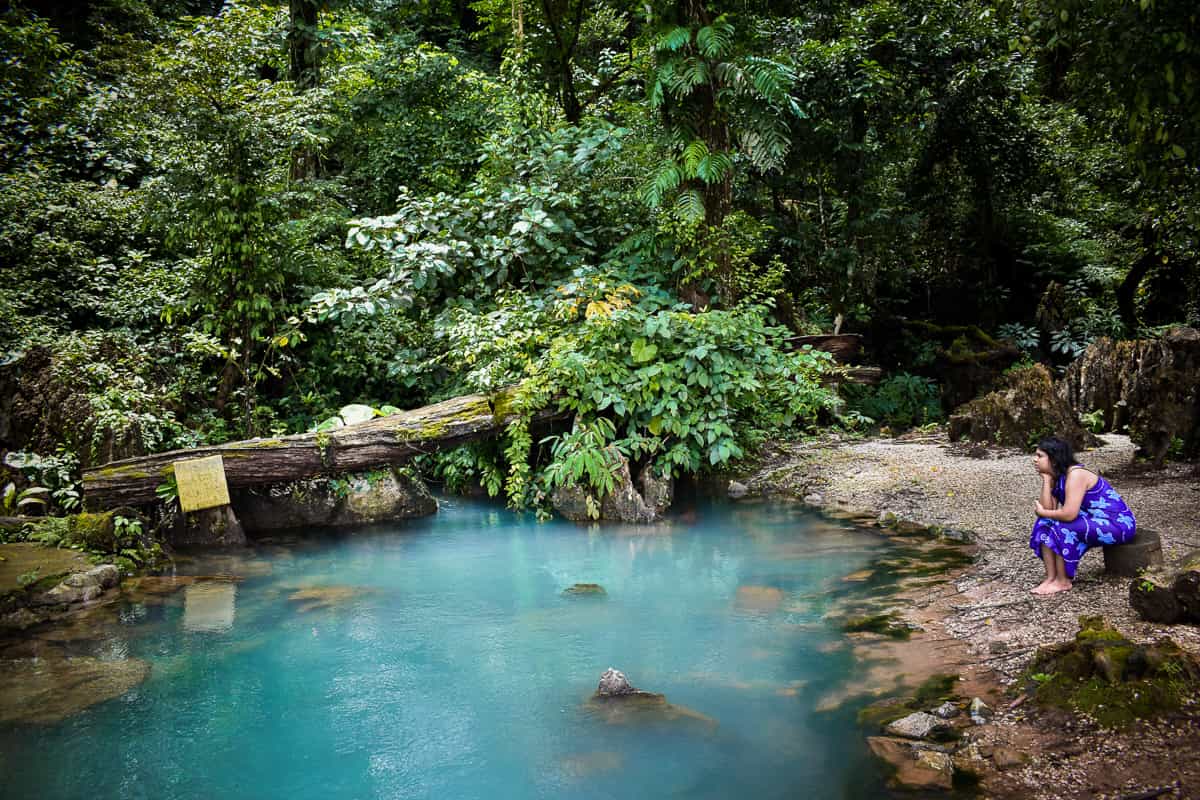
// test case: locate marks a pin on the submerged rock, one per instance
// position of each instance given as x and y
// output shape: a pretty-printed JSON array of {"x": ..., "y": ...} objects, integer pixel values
[
  {"x": 49, "y": 689},
  {"x": 759, "y": 598},
  {"x": 585, "y": 590},
  {"x": 312, "y": 598}
]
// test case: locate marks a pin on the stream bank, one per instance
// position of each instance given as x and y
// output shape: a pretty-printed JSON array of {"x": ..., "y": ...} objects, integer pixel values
[{"x": 983, "y": 624}]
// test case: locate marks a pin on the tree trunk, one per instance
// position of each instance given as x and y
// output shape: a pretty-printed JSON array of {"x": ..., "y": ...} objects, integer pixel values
[
  {"x": 355, "y": 448},
  {"x": 304, "y": 69},
  {"x": 1127, "y": 291}
]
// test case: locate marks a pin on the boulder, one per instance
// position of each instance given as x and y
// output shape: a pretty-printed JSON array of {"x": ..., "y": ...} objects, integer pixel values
[
  {"x": 1168, "y": 595},
  {"x": 657, "y": 490},
  {"x": 623, "y": 504},
  {"x": 946, "y": 710},
  {"x": 917, "y": 725},
  {"x": 355, "y": 499},
  {"x": 618, "y": 702},
  {"x": 1150, "y": 386},
  {"x": 1022, "y": 410},
  {"x": 737, "y": 490},
  {"x": 915, "y": 765},
  {"x": 80, "y": 587},
  {"x": 613, "y": 683}
]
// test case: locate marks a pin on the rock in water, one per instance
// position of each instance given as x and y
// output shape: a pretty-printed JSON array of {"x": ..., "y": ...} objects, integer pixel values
[
  {"x": 623, "y": 504},
  {"x": 585, "y": 590},
  {"x": 946, "y": 710},
  {"x": 613, "y": 683},
  {"x": 355, "y": 499},
  {"x": 917, "y": 765},
  {"x": 917, "y": 725},
  {"x": 737, "y": 491},
  {"x": 48, "y": 689}
]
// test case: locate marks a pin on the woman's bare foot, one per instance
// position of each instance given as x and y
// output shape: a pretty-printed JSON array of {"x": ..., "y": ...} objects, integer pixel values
[
  {"x": 1057, "y": 586},
  {"x": 1042, "y": 587}
]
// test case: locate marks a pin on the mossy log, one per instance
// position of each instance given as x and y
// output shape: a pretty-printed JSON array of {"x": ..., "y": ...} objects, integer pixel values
[
  {"x": 367, "y": 445},
  {"x": 1169, "y": 595}
]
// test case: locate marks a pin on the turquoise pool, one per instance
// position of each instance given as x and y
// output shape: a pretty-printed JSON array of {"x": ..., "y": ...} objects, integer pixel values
[{"x": 441, "y": 659}]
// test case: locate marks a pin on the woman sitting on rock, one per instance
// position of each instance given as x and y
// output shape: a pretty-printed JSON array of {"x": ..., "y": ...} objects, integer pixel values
[{"x": 1077, "y": 509}]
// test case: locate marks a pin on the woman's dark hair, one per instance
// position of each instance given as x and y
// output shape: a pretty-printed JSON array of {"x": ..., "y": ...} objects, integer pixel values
[{"x": 1062, "y": 455}]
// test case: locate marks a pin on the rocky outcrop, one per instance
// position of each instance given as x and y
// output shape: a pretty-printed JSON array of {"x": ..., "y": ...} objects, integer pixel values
[
  {"x": 1150, "y": 386},
  {"x": 1024, "y": 409},
  {"x": 623, "y": 504},
  {"x": 355, "y": 499}
]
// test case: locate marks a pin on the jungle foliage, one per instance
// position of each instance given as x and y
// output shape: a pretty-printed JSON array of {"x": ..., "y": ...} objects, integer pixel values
[{"x": 232, "y": 219}]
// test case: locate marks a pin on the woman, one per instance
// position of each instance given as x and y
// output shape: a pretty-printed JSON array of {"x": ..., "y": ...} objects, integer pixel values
[{"x": 1076, "y": 510}]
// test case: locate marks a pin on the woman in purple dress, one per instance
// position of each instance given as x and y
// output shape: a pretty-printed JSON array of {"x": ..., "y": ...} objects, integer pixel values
[{"x": 1077, "y": 509}]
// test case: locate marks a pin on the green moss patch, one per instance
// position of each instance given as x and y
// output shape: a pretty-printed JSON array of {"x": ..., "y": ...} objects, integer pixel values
[
  {"x": 888, "y": 624},
  {"x": 1111, "y": 679}
]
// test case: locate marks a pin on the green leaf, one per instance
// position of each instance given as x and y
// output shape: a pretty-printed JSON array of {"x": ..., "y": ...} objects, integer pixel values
[{"x": 643, "y": 351}]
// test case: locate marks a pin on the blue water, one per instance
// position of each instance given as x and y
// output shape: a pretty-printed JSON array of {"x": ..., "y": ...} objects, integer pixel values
[{"x": 454, "y": 668}]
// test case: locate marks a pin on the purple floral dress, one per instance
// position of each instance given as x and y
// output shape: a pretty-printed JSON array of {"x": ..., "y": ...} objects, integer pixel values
[{"x": 1104, "y": 518}]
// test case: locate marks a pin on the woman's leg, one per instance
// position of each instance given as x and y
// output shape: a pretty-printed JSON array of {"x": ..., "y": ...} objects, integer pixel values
[
  {"x": 1048, "y": 561},
  {"x": 1061, "y": 582}
]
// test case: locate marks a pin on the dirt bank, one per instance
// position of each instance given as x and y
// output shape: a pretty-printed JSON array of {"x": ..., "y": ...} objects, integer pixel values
[{"x": 988, "y": 496}]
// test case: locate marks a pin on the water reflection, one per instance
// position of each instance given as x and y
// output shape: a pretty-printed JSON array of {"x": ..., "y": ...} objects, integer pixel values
[{"x": 209, "y": 607}]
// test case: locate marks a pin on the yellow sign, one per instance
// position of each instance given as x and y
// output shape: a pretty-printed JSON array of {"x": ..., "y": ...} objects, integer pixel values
[{"x": 201, "y": 483}]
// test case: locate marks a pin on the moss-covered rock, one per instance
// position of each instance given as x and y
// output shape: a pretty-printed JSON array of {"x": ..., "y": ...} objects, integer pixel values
[
  {"x": 1151, "y": 386},
  {"x": 1103, "y": 674},
  {"x": 1023, "y": 409}
]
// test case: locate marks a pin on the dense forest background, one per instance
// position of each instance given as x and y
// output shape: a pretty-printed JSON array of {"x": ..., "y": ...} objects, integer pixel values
[{"x": 224, "y": 220}]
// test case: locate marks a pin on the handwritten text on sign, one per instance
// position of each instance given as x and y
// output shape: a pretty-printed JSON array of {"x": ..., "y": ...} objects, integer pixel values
[{"x": 201, "y": 483}]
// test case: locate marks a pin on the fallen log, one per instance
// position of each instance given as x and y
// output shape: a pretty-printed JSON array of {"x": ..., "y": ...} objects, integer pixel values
[{"x": 383, "y": 441}]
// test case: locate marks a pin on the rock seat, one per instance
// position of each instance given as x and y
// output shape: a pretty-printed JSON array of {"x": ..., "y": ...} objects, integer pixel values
[{"x": 1128, "y": 560}]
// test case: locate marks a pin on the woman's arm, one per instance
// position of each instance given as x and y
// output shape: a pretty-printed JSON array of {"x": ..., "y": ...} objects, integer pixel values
[
  {"x": 1077, "y": 480},
  {"x": 1047, "y": 498}
]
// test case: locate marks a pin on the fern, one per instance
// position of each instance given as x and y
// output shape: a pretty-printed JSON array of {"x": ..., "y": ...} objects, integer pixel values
[
  {"x": 715, "y": 41},
  {"x": 675, "y": 39},
  {"x": 689, "y": 206}
]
